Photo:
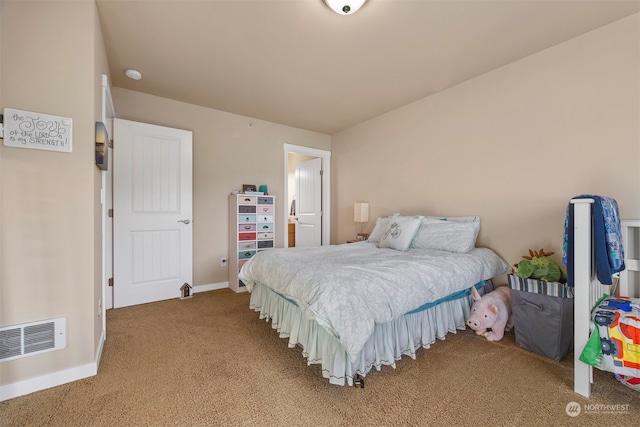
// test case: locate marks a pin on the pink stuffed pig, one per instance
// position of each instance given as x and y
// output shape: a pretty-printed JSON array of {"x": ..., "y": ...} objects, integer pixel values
[{"x": 492, "y": 311}]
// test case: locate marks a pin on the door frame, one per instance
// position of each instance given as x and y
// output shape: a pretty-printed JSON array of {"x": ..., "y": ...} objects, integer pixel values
[
  {"x": 106, "y": 196},
  {"x": 326, "y": 189}
]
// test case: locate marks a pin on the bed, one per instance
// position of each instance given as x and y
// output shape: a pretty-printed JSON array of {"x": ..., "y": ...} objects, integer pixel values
[
  {"x": 589, "y": 287},
  {"x": 358, "y": 306}
]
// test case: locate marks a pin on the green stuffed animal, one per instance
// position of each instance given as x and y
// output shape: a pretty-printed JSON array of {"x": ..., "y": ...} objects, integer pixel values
[{"x": 539, "y": 266}]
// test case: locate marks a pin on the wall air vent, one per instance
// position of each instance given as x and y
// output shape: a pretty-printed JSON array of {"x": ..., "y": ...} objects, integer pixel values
[{"x": 32, "y": 338}]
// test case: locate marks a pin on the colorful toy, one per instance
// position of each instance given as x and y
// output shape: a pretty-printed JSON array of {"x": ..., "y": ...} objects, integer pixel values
[
  {"x": 614, "y": 344},
  {"x": 492, "y": 311},
  {"x": 537, "y": 265}
]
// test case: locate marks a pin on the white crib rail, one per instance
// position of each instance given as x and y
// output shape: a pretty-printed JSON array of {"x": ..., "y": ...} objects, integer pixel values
[
  {"x": 630, "y": 282},
  {"x": 587, "y": 291}
]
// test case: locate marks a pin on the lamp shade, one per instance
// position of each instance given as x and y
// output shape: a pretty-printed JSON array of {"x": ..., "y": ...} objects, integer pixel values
[
  {"x": 361, "y": 212},
  {"x": 344, "y": 7}
]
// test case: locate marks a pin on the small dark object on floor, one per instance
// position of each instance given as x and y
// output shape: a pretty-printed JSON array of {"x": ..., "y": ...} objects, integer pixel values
[{"x": 358, "y": 382}]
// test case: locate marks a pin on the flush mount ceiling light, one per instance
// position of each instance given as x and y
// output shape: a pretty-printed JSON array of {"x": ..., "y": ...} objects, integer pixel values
[
  {"x": 133, "y": 74},
  {"x": 344, "y": 7}
]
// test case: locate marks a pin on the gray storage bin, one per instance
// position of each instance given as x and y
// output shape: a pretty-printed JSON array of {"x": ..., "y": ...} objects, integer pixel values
[{"x": 542, "y": 323}]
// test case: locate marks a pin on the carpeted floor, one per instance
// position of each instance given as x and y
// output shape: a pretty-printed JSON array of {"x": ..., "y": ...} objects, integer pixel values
[{"x": 210, "y": 361}]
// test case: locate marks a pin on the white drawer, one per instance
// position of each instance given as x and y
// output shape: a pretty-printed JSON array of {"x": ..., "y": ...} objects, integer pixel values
[
  {"x": 264, "y": 218},
  {"x": 265, "y": 235},
  {"x": 243, "y": 200}
]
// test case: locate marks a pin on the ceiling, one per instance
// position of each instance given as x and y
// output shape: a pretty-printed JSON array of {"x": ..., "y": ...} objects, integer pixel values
[{"x": 297, "y": 63}]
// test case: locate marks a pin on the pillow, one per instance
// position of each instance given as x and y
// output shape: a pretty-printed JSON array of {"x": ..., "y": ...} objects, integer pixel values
[
  {"x": 451, "y": 236},
  {"x": 455, "y": 218},
  {"x": 380, "y": 228},
  {"x": 400, "y": 232}
]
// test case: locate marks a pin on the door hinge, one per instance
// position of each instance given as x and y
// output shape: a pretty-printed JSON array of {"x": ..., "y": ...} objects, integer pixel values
[
  {"x": 321, "y": 172},
  {"x": 110, "y": 213},
  {"x": 110, "y": 143},
  {"x": 110, "y": 281}
]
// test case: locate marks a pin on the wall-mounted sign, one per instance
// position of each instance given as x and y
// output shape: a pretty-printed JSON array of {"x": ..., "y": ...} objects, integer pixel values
[{"x": 25, "y": 129}]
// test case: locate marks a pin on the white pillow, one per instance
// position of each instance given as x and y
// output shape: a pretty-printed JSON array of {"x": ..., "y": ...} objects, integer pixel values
[
  {"x": 472, "y": 218},
  {"x": 452, "y": 236},
  {"x": 400, "y": 231},
  {"x": 380, "y": 228}
]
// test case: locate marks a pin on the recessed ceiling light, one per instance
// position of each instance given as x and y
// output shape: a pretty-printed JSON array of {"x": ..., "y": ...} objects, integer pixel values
[{"x": 133, "y": 74}]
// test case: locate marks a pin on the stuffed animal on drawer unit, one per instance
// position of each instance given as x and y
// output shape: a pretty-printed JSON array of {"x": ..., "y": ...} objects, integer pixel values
[{"x": 492, "y": 311}]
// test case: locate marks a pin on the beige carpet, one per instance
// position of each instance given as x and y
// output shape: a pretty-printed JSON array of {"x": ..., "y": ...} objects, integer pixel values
[{"x": 209, "y": 360}]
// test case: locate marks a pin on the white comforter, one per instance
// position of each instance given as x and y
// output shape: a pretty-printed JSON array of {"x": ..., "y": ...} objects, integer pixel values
[{"x": 349, "y": 288}]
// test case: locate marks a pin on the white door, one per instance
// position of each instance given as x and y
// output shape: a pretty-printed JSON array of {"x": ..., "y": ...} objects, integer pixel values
[
  {"x": 152, "y": 204},
  {"x": 108, "y": 113},
  {"x": 309, "y": 203},
  {"x": 108, "y": 232}
]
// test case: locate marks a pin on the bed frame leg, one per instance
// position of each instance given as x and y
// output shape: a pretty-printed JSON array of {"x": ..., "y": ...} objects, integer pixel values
[{"x": 358, "y": 381}]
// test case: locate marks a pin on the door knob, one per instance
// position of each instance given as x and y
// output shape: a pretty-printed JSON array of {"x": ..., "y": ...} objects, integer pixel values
[{"x": 186, "y": 221}]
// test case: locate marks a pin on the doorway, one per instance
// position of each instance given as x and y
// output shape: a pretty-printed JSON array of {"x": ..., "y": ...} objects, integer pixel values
[{"x": 296, "y": 155}]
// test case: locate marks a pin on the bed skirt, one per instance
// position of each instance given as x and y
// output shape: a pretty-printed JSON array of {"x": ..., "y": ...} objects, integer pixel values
[{"x": 388, "y": 343}]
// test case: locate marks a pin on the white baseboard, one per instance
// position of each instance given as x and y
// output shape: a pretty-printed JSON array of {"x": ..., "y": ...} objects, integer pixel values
[
  {"x": 99, "y": 350},
  {"x": 22, "y": 388},
  {"x": 210, "y": 287}
]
